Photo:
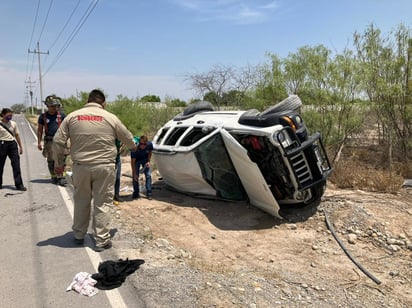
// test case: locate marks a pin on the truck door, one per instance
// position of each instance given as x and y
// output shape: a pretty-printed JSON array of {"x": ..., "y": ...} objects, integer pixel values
[{"x": 252, "y": 179}]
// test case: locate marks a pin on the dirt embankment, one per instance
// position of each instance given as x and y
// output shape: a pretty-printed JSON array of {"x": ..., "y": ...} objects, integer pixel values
[{"x": 204, "y": 253}]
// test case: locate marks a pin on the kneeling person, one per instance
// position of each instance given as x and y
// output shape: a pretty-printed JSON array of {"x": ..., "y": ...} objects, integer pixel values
[{"x": 141, "y": 158}]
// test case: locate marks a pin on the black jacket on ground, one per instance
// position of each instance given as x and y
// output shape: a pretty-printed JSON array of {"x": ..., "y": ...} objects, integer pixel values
[{"x": 113, "y": 273}]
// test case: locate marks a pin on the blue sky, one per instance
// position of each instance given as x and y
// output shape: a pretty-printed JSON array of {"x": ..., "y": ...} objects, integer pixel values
[{"x": 140, "y": 47}]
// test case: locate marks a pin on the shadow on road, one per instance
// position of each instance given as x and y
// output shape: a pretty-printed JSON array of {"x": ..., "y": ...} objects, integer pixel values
[
  {"x": 67, "y": 240},
  {"x": 41, "y": 181},
  {"x": 64, "y": 241}
]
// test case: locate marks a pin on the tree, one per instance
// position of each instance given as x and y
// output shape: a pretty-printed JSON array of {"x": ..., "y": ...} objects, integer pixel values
[
  {"x": 234, "y": 98},
  {"x": 18, "y": 108},
  {"x": 150, "y": 99},
  {"x": 270, "y": 82},
  {"x": 348, "y": 110},
  {"x": 75, "y": 102},
  {"x": 385, "y": 67},
  {"x": 175, "y": 103},
  {"x": 212, "y": 97},
  {"x": 225, "y": 85},
  {"x": 328, "y": 87},
  {"x": 295, "y": 72},
  {"x": 218, "y": 80},
  {"x": 121, "y": 105}
]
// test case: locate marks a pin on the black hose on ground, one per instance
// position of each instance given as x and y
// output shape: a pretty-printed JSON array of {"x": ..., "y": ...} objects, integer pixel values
[{"x": 377, "y": 281}]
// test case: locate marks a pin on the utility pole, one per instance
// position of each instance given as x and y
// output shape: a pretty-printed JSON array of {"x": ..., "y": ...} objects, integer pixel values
[
  {"x": 38, "y": 58},
  {"x": 30, "y": 93}
]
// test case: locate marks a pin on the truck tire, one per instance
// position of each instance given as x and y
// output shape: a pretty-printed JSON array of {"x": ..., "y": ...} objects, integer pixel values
[
  {"x": 198, "y": 106},
  {"x": 302, "y": 211},
  {"x": 292, "y": 102}
]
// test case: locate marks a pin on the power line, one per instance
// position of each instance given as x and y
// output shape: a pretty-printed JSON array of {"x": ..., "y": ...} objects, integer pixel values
[
  {"x": 83, "y": 19},
  {"x": 32, "y": 64},
  {"x": 65, "y": 25},
  {"x": 62, "y": 30},
  {"x": 35, "y": 22},
  {"x": 45, "y": 20},
  {"x": 31, "y": 38},
  {"x": 40, "y": 35},
  {"x": 92, "y": 5}
]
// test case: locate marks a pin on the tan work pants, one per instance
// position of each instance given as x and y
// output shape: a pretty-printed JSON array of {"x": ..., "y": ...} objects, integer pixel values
[
  {"x": 93, "y": 182},
  {"x": 48, "y": 153}
]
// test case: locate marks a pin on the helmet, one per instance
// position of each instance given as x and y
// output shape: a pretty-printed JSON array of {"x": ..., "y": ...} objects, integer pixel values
[{"x": 52, "y": 100}]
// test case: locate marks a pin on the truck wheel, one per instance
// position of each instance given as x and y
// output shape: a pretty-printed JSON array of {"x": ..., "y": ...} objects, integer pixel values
[
  {"x": 198, "y": 106},
  {"x": 292, "y": 102},
  {"x": 302, "y": 211}
]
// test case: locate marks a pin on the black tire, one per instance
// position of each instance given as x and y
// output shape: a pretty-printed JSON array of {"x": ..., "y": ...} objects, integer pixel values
[
  {"x": 292, "y": 102},
  {"x": 198, "y": 106},
  {"x": 302, "y": 211}
]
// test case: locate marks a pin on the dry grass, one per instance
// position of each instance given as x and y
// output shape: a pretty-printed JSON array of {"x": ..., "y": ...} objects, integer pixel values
[
  {"x": 209, "y": 267},
  {"x": 367, "y": 169}
]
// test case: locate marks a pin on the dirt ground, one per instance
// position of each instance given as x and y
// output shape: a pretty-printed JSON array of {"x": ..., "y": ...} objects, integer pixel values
[{"x": 209, "y": 253}]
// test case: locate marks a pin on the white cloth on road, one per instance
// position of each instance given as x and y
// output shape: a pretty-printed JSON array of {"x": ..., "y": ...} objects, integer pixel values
[{"x": 83, "y": 284}]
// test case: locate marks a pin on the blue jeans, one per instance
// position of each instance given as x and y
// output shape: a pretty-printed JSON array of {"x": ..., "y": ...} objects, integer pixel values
[{"x": 148, "y": 176}]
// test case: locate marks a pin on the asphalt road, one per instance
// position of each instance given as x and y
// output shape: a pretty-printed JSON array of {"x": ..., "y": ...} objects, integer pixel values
[{"x": 38, "y": 259}]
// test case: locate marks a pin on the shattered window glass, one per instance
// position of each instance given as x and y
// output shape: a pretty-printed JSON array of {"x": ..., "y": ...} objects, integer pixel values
[{"x": 217, "y": 169}]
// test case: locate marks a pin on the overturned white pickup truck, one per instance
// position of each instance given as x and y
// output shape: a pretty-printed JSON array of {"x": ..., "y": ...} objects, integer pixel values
[{"x": 266, "y": 157}]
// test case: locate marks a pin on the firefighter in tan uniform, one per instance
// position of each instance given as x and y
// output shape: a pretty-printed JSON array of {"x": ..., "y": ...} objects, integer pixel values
[{"x": 92, "y": 132}]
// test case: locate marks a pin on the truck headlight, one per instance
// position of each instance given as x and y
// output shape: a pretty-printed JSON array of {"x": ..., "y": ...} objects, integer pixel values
[{"x": 281, "y": 136}]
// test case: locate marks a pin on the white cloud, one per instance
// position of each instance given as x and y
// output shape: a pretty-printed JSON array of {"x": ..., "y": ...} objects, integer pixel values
[
  {"x": 231, "y": 10},
  {"x": 248, "y": 15},
  {"x": 270, "y": 5}
]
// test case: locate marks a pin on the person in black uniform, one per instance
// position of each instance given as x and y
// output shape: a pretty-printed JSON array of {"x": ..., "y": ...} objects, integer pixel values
[{"x": 10, "y": 146}]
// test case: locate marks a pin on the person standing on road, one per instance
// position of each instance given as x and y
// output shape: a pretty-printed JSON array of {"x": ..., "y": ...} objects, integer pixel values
[
  {"x": 10, "y": 145},
  {"x": 92, "y": 131},
  {"x": 49, "y": 122},
  {"x": 141, "y": 157}
]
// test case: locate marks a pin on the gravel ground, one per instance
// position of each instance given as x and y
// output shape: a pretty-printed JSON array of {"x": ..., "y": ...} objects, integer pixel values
[{"x": 206, "y": 253}]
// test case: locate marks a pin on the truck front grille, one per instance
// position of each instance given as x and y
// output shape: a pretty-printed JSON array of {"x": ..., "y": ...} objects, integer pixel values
[{"x": 301, "y": 169}]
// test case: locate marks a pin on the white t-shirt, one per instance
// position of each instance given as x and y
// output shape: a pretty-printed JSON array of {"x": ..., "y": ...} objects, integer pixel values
[{"x": 4, "y": 134}]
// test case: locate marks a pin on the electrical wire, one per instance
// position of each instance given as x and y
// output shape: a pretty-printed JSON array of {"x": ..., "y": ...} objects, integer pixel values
[
  {"x": 32, "y": 64},
  {"x": 45, "y": 20},
  {"x": 31, "y": 38},
  {"x": 83, "y": 19},
  {"x": 61, "y": 31},
  {"x": 35, "y": 22},
  {"x": 65, "y": 25},
  {"x": 70, "y": 38}
]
